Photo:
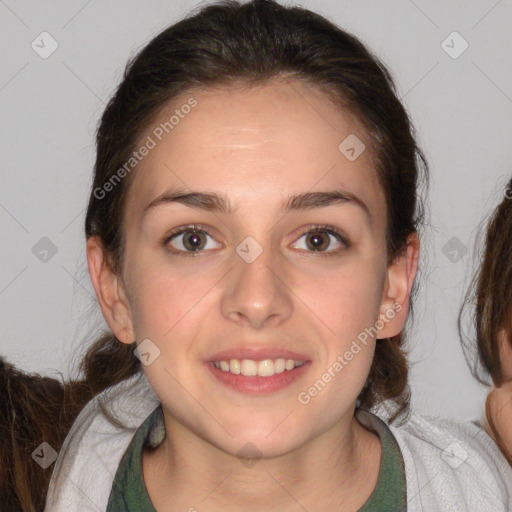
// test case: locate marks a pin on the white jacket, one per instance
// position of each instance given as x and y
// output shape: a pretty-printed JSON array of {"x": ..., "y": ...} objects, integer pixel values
[{"x": 450, "y": 467}]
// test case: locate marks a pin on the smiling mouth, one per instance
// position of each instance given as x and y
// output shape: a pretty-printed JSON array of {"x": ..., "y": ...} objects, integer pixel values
[{"x": 253, "y": 368}]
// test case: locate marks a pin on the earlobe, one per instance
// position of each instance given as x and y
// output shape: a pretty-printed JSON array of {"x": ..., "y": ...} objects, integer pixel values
[
  {"x": 109, "y": 292},
  {"x": 400, "y": 277}
]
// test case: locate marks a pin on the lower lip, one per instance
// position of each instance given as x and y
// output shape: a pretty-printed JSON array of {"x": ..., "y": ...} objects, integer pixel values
[{"x": 258, "y": 385}]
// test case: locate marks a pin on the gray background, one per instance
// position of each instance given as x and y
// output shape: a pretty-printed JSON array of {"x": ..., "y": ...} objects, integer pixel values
[{"x": 460, "y": 106}]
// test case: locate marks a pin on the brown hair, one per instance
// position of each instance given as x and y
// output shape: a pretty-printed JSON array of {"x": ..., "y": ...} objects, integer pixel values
[
  {"x": 489, "y": 302},
  {"x": 219, "y": 45}
]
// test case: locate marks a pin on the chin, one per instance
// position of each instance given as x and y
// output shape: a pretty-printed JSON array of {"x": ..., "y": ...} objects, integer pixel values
[{"x": 258, "y": 442}]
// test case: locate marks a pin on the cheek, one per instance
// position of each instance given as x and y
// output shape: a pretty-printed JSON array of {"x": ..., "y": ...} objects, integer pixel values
[
  {"x": 505, "y": 350},
  {"x": 348, "y": 305},
  {"x": 346, "y": 300},
  {"x": 166, "y": 303}
]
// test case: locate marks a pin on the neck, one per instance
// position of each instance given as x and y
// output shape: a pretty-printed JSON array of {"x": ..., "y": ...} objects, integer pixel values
[{"x": 338, "y": 468}]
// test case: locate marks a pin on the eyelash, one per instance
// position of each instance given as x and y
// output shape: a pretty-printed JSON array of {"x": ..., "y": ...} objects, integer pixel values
[{"x": 200, "y": 228}]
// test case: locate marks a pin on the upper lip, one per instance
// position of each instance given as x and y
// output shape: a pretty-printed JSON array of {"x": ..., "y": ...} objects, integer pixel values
[{"x": 257, "y": 354}]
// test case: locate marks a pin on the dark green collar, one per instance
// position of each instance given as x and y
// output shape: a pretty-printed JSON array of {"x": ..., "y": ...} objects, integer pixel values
[
  {"x": 390, "y": 493},
  {"x": 129, "y": 493}
]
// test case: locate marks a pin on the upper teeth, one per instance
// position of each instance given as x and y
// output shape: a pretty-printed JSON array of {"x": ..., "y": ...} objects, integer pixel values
[{"x": 265, "y": 368}]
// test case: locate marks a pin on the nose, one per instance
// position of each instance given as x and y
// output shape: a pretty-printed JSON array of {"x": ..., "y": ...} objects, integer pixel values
[{"x": 257, "y": 292}]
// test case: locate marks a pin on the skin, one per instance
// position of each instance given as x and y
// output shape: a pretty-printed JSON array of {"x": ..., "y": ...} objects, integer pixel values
[
  {"x": 500, "y": 397},
  {"x": 257, "y": 147}
]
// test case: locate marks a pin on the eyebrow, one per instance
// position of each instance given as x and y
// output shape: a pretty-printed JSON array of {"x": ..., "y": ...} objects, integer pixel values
[{"x": 213, "y": 202}]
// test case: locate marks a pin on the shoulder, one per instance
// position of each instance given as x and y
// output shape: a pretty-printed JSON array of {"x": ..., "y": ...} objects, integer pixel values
[
  {"x": 86, "y": 465},
  {"x": 452, "y": 466}
]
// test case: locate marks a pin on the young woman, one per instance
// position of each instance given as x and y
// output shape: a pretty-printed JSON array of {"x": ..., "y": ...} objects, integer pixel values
[
  {"x": 491, "y": 294},
  {"x": 252, "y": 238}
]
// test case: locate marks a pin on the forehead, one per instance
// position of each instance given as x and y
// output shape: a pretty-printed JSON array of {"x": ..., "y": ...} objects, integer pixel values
[{"x": 256, "y": 145}]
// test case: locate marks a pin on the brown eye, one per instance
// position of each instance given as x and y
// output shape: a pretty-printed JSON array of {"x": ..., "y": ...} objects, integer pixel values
[
  {"x": 194, "y": 241},
  {"x": 190, "y": 240},
  {"x": 320, "y": 238}
]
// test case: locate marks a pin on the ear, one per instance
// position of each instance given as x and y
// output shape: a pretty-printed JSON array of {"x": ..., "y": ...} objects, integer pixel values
[
  {"x": 400, "y": 276},
  {"x": 110, "y": 292}
]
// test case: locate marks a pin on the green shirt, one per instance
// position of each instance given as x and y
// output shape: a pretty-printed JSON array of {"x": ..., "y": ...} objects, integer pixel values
[{"x": 129, "y": 493}]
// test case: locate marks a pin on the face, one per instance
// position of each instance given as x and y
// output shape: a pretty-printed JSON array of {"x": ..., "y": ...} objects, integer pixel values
[
  {"x": 257, "y": 278},
  {"x": 505, "y": 350}
]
